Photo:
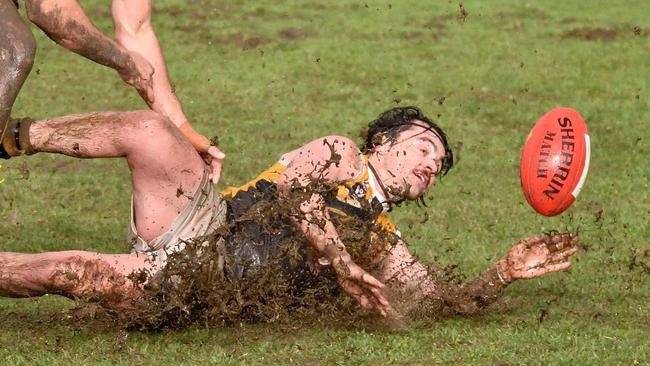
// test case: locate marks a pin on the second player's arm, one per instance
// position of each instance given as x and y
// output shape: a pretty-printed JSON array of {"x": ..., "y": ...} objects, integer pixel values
[
  {"x": 66, "y": 23},
  {"x": 134, "y": 31}
]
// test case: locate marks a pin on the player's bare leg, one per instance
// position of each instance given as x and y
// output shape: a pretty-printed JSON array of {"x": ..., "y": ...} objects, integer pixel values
[
  {"x": 17, "y": 49},
  {"x": 159, "y": 157},
  {"x": 113, "y": 279}
]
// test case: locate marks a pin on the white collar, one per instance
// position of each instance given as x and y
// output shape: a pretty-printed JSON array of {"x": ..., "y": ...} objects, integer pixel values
[{"x": 376, "y": 190}]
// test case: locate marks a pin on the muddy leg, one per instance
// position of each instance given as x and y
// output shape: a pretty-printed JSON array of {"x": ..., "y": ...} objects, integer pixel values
[
  {"x": 159, "y": 157},
  {"x": 74, "y": 274},
  {"x": 17, "y": 49}
]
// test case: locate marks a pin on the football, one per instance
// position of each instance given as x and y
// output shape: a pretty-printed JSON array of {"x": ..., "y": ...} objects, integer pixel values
[{"x": 555, "y": 161}]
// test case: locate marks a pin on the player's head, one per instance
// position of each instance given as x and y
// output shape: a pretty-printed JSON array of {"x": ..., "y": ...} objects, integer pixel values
[{"x": 410, "y": 148}]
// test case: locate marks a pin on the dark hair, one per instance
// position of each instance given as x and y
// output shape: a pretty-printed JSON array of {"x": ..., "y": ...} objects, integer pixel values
[{"x": 395, "y": 120}]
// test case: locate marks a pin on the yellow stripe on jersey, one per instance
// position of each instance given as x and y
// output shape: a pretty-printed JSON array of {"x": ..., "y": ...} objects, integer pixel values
[{"x": 271, "y": 174}]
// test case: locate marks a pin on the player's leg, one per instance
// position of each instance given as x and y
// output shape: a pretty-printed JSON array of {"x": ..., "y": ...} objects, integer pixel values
[
  {"x": 161, "y": 161},
  {"x": 75, "y": 274},
  {"x": 17, "y": 49}
]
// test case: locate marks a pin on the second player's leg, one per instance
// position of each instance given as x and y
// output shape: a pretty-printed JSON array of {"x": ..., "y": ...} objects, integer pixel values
[
  {"x": 161, "y": 161},
  {"x": 17, "y": 48}
]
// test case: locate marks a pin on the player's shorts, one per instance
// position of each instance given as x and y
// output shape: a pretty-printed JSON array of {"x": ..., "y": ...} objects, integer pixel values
[
  {"x": 16, "y": 2},
  {"x": 204, "y": 214}
]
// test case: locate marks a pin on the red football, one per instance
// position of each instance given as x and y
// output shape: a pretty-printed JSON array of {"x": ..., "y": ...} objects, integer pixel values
[{"x": 554, "y": 161}]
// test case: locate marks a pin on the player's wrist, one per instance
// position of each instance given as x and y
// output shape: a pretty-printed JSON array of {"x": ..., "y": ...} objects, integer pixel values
[
  {"x": 200, "y": 142},
  {"x": 502, "y": 273}
]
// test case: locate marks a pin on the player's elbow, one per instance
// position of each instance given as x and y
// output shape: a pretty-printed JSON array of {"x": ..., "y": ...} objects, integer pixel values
[
  {"x": 48, "y": 17},
  {"x": 34, "y": 10},
  {"x": 40, "y": 13}
]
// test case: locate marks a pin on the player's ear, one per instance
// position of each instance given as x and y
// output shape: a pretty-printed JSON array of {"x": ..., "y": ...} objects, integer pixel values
[{"x": 381, "y": 143}]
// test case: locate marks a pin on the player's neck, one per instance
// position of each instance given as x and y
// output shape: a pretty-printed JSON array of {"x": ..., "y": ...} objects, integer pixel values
[{"x": 376, "y": 166}]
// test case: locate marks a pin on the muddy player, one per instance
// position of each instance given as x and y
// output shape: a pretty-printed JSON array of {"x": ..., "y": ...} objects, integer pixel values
[
  {"x": 134, "y": 53},
  {"x": 402, "y": 157}
]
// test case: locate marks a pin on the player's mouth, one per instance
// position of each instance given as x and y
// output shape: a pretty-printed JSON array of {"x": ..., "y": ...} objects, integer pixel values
[{"x": 423, "y": 177}]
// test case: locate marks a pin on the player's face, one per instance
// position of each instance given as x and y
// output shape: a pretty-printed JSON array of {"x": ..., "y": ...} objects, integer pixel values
[{"x": 412, "y": 162}]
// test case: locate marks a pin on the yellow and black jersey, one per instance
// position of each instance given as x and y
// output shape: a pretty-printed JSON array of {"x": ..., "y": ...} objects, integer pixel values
[
  {"x": 354, "y": 197},
  {"x": 356, "y": 204}
]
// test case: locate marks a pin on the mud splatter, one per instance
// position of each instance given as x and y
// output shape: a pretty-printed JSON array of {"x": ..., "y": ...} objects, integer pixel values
[
  {"x": 462, "y": 13},
  {"x": 592, "y": 34},
  {"x": 96, "y": 281},
  {"x": 639, "y": 260}
]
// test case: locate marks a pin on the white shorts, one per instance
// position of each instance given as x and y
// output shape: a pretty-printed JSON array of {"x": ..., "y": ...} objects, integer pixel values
[{"x": 203, "y": 215}]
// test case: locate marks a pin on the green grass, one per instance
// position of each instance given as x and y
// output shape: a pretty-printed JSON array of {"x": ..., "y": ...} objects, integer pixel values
[{"x": 499, "y": 69}]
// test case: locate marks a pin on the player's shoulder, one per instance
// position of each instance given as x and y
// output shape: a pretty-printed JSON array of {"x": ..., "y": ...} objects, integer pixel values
[
  {"x": 339, "y": 155},
  {"x": 329, "y": 145}
]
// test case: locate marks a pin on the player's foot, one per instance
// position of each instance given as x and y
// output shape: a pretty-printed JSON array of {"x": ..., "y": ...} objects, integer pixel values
[{"x": 14, "y": 138}]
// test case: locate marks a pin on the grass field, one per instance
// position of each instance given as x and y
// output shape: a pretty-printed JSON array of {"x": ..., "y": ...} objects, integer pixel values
[{"x": 269, "y": 76}]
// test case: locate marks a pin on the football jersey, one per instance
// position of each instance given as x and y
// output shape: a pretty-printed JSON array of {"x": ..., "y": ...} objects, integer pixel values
[{"x": 354, "y": 201}]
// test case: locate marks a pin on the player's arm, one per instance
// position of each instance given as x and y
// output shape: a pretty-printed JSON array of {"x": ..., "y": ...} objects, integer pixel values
[
  {"x": 65, "y": 22},
  {"x": 529, "y": 258},
  {"x": 315, "y": 168},
  {"x": 134, "y": 31}
]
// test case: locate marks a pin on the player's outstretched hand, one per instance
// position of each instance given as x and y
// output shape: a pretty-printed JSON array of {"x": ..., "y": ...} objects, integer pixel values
[
  {"x": 538, "y": 255},
  {"x": 362, "y": 286},
  {"x": 139, "y": 74}
]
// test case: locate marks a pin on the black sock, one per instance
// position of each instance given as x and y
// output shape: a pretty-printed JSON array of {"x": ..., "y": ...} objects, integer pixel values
[{"x": 3, "y": 153}]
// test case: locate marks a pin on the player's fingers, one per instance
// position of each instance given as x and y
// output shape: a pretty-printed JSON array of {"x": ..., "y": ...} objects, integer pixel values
[
  {"x": 216, "y": 171},
  {"x": 564, "y": 254},
  {"x": 363, "y": 301},
  {"x": 382, "y": 309},
  {"x": 560, "y": 241},
  {"x": 532, "y": 241},
  {"x": 551, "y": 268},
  {"x": 370, "y": 280},
  {"x": 379, "y": 296},
  {"x": 216, "y": 153}
]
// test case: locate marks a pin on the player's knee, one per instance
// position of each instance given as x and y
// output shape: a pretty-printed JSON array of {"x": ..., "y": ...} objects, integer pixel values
[
  {"x": 21, "y": 55},
  {"x": 152, "y": 126}
]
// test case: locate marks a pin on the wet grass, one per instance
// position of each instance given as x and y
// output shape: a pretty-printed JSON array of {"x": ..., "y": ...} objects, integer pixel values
[{"x": 286, "y": 72}]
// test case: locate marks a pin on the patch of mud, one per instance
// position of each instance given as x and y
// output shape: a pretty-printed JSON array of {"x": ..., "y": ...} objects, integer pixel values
[
  {"x": 293, "y": 34},
  {"x": 592, "y": 34},
  {"x": 639, "y": 260},
  {"x": 415, "y": 35},
  {"x": 244, "y": 41},
  {"x": 536, "y": 14}
]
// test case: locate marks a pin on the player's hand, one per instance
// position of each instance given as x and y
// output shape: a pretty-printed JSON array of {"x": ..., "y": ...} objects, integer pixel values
[
  {"x": 361, "y": 286},
  {"x": 538, "y": 255},
  {"x": 138, "y": 73},
  {"x": 211, "y": 155}
]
